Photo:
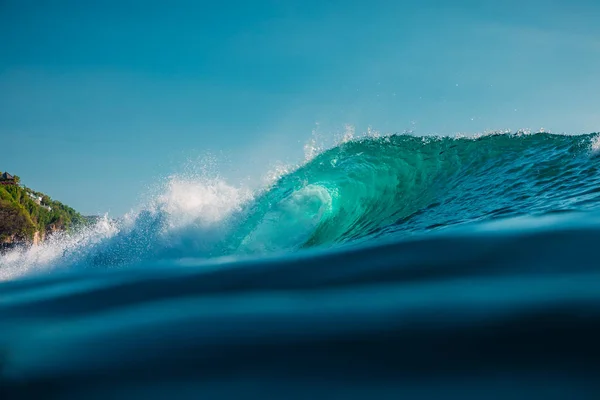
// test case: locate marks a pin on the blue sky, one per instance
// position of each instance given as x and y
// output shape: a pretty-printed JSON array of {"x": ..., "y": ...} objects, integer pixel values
[{"x": 98, "y": 100}]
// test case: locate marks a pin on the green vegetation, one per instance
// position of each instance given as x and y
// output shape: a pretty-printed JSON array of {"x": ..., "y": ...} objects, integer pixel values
[{"x": 24, "y": 212}]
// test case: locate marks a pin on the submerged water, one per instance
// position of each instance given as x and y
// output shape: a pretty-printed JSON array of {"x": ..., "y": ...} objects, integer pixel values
[{"x": 382, "y": 267}]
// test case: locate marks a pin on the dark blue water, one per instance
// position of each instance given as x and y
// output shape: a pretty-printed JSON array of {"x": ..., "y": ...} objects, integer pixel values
[{"x": 393, "y": 268}]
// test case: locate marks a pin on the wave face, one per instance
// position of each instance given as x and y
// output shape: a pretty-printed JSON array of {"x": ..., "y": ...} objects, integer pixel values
[
  {"x": 391, "y": 267},
  {"x": 360, "y": 191},
  {"x": 400, "y": 185}
]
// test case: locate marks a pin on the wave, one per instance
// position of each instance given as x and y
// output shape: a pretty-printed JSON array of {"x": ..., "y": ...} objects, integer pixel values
[
  {"x": 403, "y": 184},
  {"x": 358, "y": 191},
  {"x": 513, "y": 313}
]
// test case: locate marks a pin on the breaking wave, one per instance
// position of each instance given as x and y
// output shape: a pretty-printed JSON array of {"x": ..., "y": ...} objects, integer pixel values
[{"x": 359, "y": 191}]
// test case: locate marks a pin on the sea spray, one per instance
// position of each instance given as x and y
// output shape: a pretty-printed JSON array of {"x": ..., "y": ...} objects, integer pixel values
[{"x": 58, "y": 248}]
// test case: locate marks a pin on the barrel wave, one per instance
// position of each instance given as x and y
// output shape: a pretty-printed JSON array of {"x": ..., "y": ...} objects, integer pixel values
[
  {"x": 400, "y": 185},
  {"x": 383, "y": 267},
  {"x": 359, "y": 191}
]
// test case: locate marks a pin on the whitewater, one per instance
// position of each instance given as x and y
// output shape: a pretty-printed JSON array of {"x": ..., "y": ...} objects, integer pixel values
[{"x": 382, "y": 266}]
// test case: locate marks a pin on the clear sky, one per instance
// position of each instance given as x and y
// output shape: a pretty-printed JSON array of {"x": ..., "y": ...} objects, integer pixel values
[{"x": 99, "y": 99}]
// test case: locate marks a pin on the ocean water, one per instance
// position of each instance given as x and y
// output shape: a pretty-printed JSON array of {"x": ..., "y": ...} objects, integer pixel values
[{"x": 382, "y": 267}]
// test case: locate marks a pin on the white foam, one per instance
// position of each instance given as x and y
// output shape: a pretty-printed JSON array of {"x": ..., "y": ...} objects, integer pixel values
[
  {"x": 202, "y": 202},
  {"x": 182, "y": 210},
  {"x": 24, "y": 261}
]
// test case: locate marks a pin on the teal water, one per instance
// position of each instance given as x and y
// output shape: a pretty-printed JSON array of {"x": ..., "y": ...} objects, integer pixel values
[
  {"x": 400, "y": 185},
  {"x": 387, "y": 267}
]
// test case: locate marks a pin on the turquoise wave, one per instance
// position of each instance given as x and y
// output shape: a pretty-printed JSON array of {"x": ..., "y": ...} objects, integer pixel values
[
  {"x": 359, "y": 192},
  {"x": 401, "y": 185},
  {"x": 509, "y": 307}
]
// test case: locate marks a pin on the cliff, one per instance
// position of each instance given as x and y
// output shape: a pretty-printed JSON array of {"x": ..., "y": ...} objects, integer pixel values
[{"x": 27, "y": 216}]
